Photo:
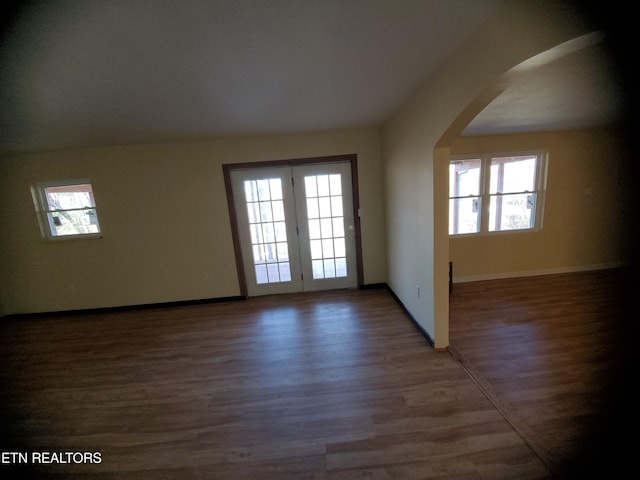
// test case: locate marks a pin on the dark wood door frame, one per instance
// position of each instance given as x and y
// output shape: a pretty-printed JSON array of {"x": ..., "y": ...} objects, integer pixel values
[{"x": 227, "y": 168}]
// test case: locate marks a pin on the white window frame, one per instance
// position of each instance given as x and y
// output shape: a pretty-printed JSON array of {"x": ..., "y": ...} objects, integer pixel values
[
  {"x": 43, "y": 209},
  {"x": 485, "y": 195}
]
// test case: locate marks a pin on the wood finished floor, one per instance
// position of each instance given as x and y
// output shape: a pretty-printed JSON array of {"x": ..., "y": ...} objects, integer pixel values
[
  {"x": 333, "y": 385},
  {"x": 549, "y": 351}
]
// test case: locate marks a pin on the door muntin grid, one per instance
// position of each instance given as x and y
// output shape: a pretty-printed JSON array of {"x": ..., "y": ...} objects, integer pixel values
[
  {"x": 325, "y": 217},
  {"x": 276, "y": 242},
  {"x": 267, "y": 229}
]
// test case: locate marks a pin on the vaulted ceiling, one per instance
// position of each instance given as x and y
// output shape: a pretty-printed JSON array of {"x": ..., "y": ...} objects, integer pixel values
[
  {"x": 579, "y": 90},
  {"x": 101, "y": 72}
]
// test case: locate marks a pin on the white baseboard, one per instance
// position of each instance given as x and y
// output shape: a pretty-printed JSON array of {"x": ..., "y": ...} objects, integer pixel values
[{"x": 533, "y": 273}]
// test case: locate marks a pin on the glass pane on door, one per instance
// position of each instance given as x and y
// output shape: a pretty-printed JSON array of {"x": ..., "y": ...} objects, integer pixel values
[
  {"x": 267, "y": 227},
  {"x": 323, "y": 194},
  {"x": 295, "y": 227}
]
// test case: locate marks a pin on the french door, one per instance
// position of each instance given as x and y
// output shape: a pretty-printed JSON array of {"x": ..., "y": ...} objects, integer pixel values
[{"x": 296, "y": 227}]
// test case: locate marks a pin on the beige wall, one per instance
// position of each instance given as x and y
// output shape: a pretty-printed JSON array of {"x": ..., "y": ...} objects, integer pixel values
[
  {"x": 163, "y": 212},
  {"x": 580, "y": 230},
  {"x": 415, "y": 150}
]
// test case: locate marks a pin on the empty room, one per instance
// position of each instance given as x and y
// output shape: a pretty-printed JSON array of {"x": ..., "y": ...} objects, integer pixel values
[{"x": 314, "y": 240}]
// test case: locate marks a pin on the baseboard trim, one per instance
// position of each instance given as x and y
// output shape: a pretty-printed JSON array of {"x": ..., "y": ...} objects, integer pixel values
[
  {"x": 372, "y": 286},
  {"x": 420, "y": 328},
  {"x": 536, "y": 273},
  {"x": 123, "y": 308}
]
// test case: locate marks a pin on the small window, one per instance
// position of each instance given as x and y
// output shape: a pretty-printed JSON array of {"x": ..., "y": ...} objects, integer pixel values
[
  {"x": 66, "y": 209},
  {"x": 495, "y": 193}
]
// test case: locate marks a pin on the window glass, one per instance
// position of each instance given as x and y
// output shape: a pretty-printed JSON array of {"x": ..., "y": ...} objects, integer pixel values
[
  {"x": 464, "y": 178},
  {"x": 68, "y": 209},
  {"x": 464, "y": 215},
  {"x": 326, "y": 225},
  {"x": 464, "y": 191},
  {"x": 513, "y": 174},
  {"x": 511, "y": 212},
  {"x": 494, "y": 193},
  {"x": 267, "y": 228}
]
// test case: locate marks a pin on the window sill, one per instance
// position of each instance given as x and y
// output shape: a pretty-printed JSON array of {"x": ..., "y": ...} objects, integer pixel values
[
  {"x": 491, "y": 234},
  {"x": 67, "y": 238}
]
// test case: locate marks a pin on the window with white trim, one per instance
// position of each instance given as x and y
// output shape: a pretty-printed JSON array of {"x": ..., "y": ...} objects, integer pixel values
[
  {"x": 66, "y": 209},
  {"x": 496, "y": 193}
]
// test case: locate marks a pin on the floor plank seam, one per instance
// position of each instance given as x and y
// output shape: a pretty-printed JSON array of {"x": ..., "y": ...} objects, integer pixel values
[{"x": 520, "y": 427}]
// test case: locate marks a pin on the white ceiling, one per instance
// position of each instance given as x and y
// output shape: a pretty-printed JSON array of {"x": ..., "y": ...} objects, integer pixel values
[
  {"x": 96, "y": 72},
  {"x": 579, "y": 90}
]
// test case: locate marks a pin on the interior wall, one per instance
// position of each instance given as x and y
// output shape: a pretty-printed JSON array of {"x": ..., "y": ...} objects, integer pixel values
[
  {"x": 582, "y": 220},
  {"x": 164, "y": 216},
  {"x": 416, "y": 160}
]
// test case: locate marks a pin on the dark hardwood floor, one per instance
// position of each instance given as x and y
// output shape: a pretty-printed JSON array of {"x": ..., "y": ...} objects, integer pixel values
[
  {"x": 332, "y": 385},
  {"x": 550, "y": 353}
]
